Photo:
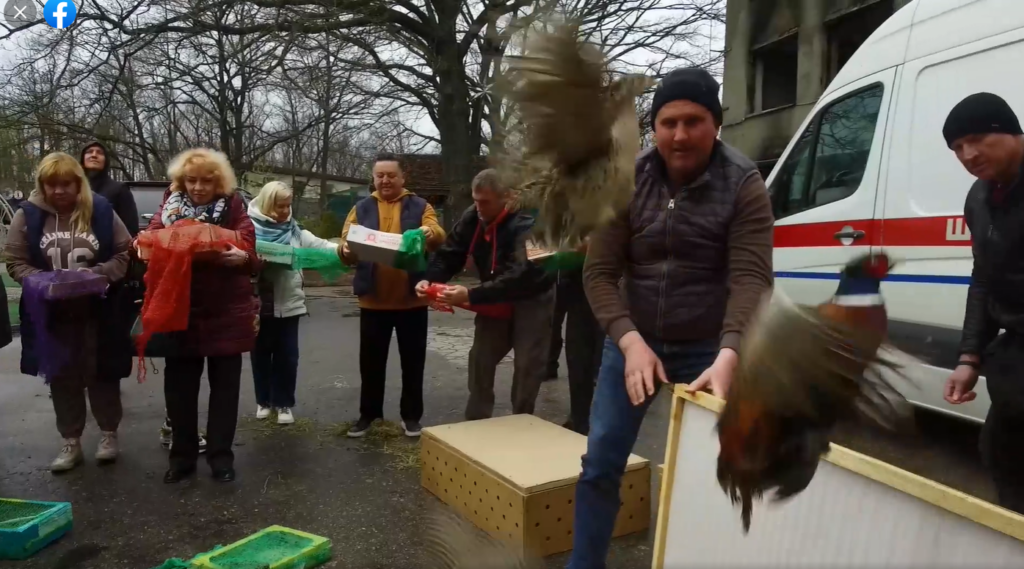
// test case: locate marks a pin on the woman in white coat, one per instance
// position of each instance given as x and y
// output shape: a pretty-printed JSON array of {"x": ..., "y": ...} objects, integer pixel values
[{"x": 275, "y": 360}]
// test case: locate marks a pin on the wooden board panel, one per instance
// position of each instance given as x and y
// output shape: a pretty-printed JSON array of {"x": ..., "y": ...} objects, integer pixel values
[
  {"x": 488, "y": 502},
  {"x": 857, "y": 512},
  {"x": 550, "y": 514},
  {"x": 529, "y": 453}
]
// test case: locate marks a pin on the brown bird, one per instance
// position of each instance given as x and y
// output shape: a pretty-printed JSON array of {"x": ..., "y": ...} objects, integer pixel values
[
  {"x": 802, "y": 369},
  {"x": 580, "y": 135}
]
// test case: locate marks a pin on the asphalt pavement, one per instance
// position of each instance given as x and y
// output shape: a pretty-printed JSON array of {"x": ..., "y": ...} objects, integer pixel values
[{"x": 363, "y": 495}]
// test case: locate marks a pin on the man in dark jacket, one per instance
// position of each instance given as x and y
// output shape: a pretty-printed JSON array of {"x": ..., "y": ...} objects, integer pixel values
[
  {"x": 96, "y": 162},
  {"x": 693, "y": 253},
  {"x": 495, "y": 238},
  {"x": 986, "y": 136}
]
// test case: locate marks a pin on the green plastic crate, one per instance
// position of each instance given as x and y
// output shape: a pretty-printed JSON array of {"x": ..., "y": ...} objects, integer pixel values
[
  {"x": 276, "y": 547},
  {"x": 28, "y": 526}
]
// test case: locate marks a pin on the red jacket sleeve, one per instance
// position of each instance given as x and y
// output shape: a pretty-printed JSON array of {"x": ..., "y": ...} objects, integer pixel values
[{"x": 239, "y": 221}]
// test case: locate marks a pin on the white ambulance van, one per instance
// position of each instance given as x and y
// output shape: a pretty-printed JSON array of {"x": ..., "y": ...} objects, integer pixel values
[{"x": 869, "y": 169}]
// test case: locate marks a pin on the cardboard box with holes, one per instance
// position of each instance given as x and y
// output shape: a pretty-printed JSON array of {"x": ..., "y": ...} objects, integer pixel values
[{"x": 496, "y": 474}]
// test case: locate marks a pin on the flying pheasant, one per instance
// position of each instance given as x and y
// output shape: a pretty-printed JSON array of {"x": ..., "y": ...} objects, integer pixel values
[
  {"x": 801, "y": 370},
  {"x": 576, "y": 164}
]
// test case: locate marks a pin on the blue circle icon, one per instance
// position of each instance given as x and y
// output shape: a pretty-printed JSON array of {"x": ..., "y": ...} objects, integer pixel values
[{"x": 60, "y": 14}]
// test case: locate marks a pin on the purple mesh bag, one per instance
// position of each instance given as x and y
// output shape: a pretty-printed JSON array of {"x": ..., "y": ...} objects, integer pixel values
[{"x": 42, "y": 295}]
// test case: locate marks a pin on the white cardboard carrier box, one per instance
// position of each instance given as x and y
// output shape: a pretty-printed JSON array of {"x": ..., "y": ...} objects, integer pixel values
[{"x": 373, "y": 246}]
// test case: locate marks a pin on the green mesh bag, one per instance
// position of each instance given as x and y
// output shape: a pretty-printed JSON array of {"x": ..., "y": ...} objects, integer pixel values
[
  {"x": 563, "y": 261},
  {"x": 412, "y": 253},
  {"x": 323, "y": 261}
]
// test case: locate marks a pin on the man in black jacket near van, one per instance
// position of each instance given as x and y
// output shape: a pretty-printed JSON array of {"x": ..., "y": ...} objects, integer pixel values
[
  {"x": 987, "y": 138},
  {"x": 495, "y": 238}
]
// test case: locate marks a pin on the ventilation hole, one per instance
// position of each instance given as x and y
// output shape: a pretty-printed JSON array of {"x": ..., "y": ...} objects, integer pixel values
[
  {"x": 641, "y": 498},
  {"x": 548, "y": 538},
  {"x": 465, "y": 504},
  {"x": 568, "y": 532},
  {"x": 502, "y": 516},
  {"x": 517, "y": 524},
  {"x": 452, "y": 481},
  {"x": 547, "y": 507},
  {"x": 446, "y": 463},
  {"x": 457, "y": 469},
  {"x": 464, "y": 475},
  {"x": 510, "y": 504},
  {"x": 470, "y": 492},
  {"x": 559, "y": 519},
  {"x": 570, "y": 501},
  {"x": 486, "y": 491},
  {"x": 622, "y": 504},
  {"x": 536, "y": 525},
  {"x": 497, "y": 497},
  {"x": 492, "y": 508},
  {"x": 475, "y": 512},
  {"x": 630, "y": 517},
  {"x": 445, "y": 490},
  {"x": 474, "y": 483},
  {"x": 481, "y": 500},
  {"x": 510, "y": 535},
  {"x": 630, "y": 486},
  {"x": 433, "y": 469}
]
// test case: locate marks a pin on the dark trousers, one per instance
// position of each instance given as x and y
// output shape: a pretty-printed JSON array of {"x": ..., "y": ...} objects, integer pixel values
[
  {"x": 615, "y": 424},
  {"x": 75, "y": 380},
  {"x": 583, "y": 340},
  {"x": 1002, "y": 451},
  {"x": 182, "y": 378},
  {"x": 526, "y": 335},
  {"x": 275, "y": 362},
  {"x": 561, "y": 310},
  {"x": 375, "y": 328}
]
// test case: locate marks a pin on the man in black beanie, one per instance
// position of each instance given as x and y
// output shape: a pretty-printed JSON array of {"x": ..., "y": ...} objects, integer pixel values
[
  {"x": 986, "y": 136},
  {"x": 694, "y": 254}
]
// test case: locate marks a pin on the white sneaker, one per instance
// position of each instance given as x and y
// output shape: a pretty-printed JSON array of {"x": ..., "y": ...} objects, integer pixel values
[
  {"x": 70, "y": 456},
  {"x": 262, "y": 412},
  {"x": 108, "y": 449},
  {"x": 284, "y": 416}
]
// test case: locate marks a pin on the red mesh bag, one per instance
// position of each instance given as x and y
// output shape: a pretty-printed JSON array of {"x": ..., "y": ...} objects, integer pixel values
[
  {"x": 170, "y": 252},
  {"x": 502, "y": 311}
]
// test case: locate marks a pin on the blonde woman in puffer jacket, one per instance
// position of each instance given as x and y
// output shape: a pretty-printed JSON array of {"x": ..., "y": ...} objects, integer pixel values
[{"x": 275, "y": 361}]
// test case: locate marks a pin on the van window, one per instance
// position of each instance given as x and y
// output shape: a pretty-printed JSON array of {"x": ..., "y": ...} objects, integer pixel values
[{"x": 828, "y": 161}]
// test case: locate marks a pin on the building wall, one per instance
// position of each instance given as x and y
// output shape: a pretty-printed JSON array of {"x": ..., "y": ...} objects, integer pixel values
[{"x": 809, "y": 31}]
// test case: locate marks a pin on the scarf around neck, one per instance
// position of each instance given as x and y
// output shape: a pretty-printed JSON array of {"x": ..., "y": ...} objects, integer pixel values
[
  {"x": 179, "y": 206},
  {"x": 270, "y": 231}
]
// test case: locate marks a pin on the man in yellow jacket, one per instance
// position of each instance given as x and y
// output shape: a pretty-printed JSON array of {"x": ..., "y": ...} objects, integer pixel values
[{"x": 387, "y": 299}]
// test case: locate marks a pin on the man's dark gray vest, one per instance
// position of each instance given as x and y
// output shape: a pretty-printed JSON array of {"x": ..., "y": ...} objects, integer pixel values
[{"x": 368, "y": 215}]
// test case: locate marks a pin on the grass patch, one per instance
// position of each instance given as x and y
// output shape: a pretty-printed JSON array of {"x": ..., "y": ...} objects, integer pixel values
[
  {"x": 384, "y": 436},
  {"x": 267, "y": 427}
]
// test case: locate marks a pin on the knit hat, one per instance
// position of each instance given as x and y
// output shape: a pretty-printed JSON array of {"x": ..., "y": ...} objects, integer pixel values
[
  {"x": 688, "y": 84},
  {"x": 980, "y": 113}
]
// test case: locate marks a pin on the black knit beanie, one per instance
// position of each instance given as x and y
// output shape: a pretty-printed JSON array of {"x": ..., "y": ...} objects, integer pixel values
[
  {"x": 980, "y": 113},
  {"x": 688, "y": 84}
]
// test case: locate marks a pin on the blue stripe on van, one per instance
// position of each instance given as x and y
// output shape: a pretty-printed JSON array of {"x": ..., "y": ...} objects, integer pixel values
[{"x": 924, "y": 279}]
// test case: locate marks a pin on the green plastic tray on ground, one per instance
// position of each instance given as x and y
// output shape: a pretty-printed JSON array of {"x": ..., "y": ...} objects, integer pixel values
[
  {"x": 276, "y": 547},
  {"x": 28, "y": 526}
]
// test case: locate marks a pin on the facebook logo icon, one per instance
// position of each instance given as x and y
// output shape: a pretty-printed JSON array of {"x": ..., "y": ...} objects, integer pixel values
[{"x": 60, "y": 14}]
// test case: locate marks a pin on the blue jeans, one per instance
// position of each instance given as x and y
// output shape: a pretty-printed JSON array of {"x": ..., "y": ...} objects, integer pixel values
[
  {"x": 614, "y": 426},
  {"x": 275, "y": 361}
]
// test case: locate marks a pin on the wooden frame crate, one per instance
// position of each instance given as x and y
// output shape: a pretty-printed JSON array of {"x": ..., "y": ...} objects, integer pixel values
[
  {"x": 857, "y": 512},
  {"x": 515, "y": 478}
]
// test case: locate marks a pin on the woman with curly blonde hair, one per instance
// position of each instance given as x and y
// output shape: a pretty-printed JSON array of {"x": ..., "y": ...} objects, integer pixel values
[
  {"x": 223, "y": 318},
  {"x": 63, "y": 225}
]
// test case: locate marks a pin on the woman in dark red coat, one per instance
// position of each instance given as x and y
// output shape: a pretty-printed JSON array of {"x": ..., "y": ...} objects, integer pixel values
[{"x": 223, "y": 314}]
